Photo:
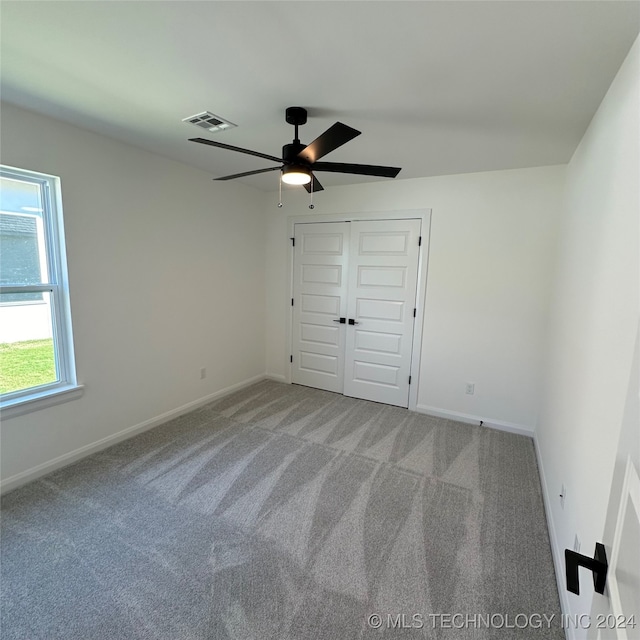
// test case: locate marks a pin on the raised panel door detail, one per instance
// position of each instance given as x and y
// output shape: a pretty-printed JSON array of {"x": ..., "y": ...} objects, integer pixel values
[
  {"x": 369, "y": 276},
  {"x": 323, "y": 244},
  {"x": 383, "y": 244},
  {"x": 319, "y": 333},
  {"x": 375, "y": 342},
  {"x": 318, "y": 363},
  {"x": 326, "y": 305},
  {"x": 389, "y": 310},
  {"x": 378, "y": 374},
  {"x": 321, "y": 274}
]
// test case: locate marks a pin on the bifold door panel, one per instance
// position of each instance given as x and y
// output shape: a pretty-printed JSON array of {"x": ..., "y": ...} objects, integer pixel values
[{"x": 354, "y": 293}]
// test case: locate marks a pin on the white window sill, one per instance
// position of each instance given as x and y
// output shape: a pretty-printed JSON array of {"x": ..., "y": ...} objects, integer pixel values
[{"x": 39, "y": 400}]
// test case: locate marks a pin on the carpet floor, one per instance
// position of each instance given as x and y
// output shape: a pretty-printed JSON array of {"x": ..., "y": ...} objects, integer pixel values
[{"x": 285, "y": 513}]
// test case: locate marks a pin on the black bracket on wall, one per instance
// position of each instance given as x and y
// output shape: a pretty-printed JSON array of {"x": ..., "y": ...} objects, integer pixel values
[{"x": 598, "y": 565}]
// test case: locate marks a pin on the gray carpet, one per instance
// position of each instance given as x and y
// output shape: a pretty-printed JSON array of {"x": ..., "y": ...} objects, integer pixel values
[{"x": 285, "y": 513}]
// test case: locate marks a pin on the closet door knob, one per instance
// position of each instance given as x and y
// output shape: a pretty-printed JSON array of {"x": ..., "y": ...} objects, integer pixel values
[
  {"x": 352, "y": 321},
  {"x": 341, "y": 320}
]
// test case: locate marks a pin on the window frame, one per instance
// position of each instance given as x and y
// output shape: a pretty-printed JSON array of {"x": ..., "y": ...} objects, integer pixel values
[{"x": 66, "y": 387}]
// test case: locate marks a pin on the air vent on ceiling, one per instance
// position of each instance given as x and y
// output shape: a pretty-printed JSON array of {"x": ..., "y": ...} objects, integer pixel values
[{"x": 209, "y": 121}]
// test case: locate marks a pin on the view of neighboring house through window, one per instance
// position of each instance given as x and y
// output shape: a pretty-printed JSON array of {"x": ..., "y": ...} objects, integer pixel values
[{"x": 36, "y": 349}]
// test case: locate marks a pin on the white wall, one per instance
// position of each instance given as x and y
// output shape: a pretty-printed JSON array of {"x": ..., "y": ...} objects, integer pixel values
[
  {"x": 490, "y": 272},
  {"x": 166, "y": 274},
  {"x": 593, "y": 322}
]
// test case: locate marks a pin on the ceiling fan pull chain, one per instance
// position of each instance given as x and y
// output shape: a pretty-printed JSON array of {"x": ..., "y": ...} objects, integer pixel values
[
  {"x": 311, "y": 206},
  {"x": 280, "y": 192}
]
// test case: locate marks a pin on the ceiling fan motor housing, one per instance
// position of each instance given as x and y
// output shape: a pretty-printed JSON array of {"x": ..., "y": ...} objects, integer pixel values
[{"x": 290, "y": 153}]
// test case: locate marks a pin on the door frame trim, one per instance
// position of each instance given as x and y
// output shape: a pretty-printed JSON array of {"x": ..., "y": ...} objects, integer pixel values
[
  {"x": 630, "y": 494},
  {"x": 421, "y": 287}
]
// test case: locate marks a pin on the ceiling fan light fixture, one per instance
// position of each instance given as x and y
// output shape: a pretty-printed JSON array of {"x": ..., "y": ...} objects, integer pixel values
[{"x": 296, "y": 174}]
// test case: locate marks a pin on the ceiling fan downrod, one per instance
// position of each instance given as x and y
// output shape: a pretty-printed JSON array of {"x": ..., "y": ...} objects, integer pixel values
[{"x": 296, "y": 116}]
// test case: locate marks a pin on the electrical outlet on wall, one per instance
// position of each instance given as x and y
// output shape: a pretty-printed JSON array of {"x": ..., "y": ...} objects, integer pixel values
[
  {"x": 470, "y": 388},
  {"x": 203, "y": 373}
]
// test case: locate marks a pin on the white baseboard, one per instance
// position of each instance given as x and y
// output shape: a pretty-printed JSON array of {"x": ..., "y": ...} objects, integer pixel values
[
  {"x": 556, "y": 551},
  {"x": 465, "y": 417},
  {"x": 276, "y": 377},
  {"x": 17, "y": 480}
]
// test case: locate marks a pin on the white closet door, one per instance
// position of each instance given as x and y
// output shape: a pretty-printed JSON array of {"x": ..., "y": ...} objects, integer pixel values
[
  {"x": 383, "y": 272},
  {"x": 319, "y": 293}
]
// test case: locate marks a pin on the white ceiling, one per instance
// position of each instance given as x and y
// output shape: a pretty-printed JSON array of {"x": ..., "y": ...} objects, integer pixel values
[{"x": 435, "y": 87}]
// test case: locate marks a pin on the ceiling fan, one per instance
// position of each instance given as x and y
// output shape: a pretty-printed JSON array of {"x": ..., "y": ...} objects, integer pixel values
[{"x": 300, "y": 161}]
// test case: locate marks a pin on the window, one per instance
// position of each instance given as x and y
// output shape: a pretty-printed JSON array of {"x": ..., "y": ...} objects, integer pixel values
[{"x": 37, "y": 366}]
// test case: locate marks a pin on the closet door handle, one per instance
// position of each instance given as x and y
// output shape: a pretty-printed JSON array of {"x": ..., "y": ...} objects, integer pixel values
[
  {"x": 352, "y": 321},
  {"x": 341, "y": 320}
]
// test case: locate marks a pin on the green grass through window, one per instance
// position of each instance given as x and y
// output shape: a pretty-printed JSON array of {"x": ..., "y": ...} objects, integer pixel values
[{"x": 26, "y": 364}]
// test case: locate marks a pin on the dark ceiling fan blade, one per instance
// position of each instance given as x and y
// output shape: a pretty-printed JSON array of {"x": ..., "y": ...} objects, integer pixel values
[
  {"x": 334, "y": 137},
  {"x": 221, "y": 145},
  {"x": 314, "y": 185},
  {"x": 247, "y": 173},
  {"x": 361, "y": 169}
]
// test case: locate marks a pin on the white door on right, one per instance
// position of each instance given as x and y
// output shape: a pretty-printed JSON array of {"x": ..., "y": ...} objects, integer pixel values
[
  {"x": 383, "y": 273},
  {"x": 617, "y": 617},
  {"x": 623, "y": 575}
]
